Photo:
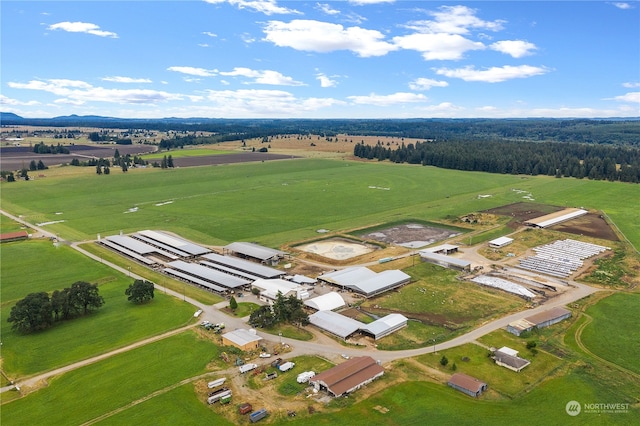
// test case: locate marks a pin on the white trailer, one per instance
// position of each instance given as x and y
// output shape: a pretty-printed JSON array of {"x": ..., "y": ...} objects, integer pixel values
[
  {"x": 247, "y": 367},
  {"x": 286, "y": 366},
  {"x": 218, "y": 396},
  {"x": 304, "y": 377},
  {"x": 216, "y": 383}
]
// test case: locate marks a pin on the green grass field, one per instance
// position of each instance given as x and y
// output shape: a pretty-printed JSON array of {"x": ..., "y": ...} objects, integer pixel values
[
  {"x": 614, "y": 333},
  {"x": 89, "y": 392},
  {"x": 184, "y": 153},
  {"x": 33, "y": 266},
  {"x": 241, "y": 202}
]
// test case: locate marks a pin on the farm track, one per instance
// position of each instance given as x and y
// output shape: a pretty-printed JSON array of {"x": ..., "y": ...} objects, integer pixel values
[{"x": 583, "y": 347}]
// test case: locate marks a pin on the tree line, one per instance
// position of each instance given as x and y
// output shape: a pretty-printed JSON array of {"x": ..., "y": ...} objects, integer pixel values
[
  {"x": 598, "y": 162},
  {"x": 38, "y": 311}
]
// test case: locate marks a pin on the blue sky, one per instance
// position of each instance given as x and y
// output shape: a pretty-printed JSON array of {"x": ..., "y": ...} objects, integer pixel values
[{"x": 320, "y": 59}]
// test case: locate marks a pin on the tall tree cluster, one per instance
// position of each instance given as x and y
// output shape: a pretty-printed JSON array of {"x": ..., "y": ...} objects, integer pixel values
[
  {"x": 598, "y": 162},
  {"x": 284, "y": 310},
  {"x": 38, "y": 311}
]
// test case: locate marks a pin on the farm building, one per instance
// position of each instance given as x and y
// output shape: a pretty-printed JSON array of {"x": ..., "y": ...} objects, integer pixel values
[
  {"x": 365, "y": 281},
  {"x": 326, "y": 302},
  {"x": 246, "y": 340},
  {"x": 204, "y": 276},
  {"x": 555, "y": 218},
  {"x": 445, "y": 261},
  {"x": 240, "y": 267},
  {"x": 335, "y": 323},
  {"x": 467, "y": 384},
  {"x": 500, "y": 242},
  {"x": 255, "y": 251},
  {"x": 269, "y": 289},
  {"x": 443, "y": 249},
  {"x": 560, "y": 258},
  {"x": 508, "y": 358},
  {"x": 541, "y": 320},
  {"x": 348, "y": 376},
  {"x": 13, "y": 236},
  {"x": 171, "y": 243},
  {"x": 385, "y": 325},
  {"x": 301, "y": 279}
]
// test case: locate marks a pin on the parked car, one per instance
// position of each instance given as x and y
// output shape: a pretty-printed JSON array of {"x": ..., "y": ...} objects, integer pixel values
[{"x": 265, "y": 355}]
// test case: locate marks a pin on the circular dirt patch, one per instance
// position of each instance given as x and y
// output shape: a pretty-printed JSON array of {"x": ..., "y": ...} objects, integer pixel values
[{"x": 336, "y": 249}]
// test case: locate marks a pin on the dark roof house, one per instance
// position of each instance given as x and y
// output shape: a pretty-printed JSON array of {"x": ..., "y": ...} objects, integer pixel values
[
  {"x": 348, "y": 376},
  {"x": 467, "y": 384}
]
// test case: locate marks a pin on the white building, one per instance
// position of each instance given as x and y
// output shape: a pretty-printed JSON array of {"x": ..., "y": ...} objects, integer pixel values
[{"x": 269, "y": 289}]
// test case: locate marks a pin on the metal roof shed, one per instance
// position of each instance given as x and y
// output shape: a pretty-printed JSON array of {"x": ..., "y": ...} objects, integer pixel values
[
  {"x": 348, "y": 276},
  {"x": 208, "y": 274},
  {"x": 335, "y": 323},
  {"x": 326, "y": 302},
  {"x": 242, "y": 339},
  {"x": 244, "y": 265},
  {"x": 500, "y": 242},
  {"x": 178, "y": 243},
  {"x": 254, "y": 250},
  {"x": 385, "y": 280},
  {"x": 385, "y": 325}
]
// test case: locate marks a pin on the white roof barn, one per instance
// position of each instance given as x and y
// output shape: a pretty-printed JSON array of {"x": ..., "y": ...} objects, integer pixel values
[
  {"x": 269, "y": 289},
  {"x": 326, "y": 302},
  {"x": 335, "y": 323},
  {"x": 385, "y": 325},
  {"x": 365, "y": 281}
]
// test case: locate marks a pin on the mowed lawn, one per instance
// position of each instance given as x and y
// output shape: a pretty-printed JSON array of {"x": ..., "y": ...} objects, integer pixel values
[
  {"x": 90, "y": 392},
  {"x": 614, "y": 333},
  {"x": 278, "y": 202},
  {"x": 34, "y": 266}
]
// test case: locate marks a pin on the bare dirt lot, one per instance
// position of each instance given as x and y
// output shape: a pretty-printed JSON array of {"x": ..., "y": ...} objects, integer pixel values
[
  {"x": 411, "y": 235},
  {"x": 15, "y": 158},
  {"x": 336, "y": 248},
  {"x": 591, "y": 224}
]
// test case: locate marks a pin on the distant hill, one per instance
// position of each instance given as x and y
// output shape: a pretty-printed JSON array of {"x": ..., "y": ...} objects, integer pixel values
[{"x": 616, "y": 131}]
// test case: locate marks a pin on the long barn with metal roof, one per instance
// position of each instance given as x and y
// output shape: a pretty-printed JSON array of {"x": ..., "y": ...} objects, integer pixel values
[
  {"x": 365, "y": 281},
  {"x": 246, "y": 266},
  {"x": 254, "y": 251},
  {"x": 175, "y": 242},
  {"x": 201, "y": 274}
]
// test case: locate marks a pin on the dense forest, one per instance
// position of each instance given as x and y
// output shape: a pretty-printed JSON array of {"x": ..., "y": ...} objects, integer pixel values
[
  {"x": 614, "y": 163},
  {"x": 607, "y": 132}
]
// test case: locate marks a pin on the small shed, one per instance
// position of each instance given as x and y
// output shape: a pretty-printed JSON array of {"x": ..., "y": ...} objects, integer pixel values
[
  {"x": 467, "y": 384},
  {"x": 500, "y": 242},
  {"x": 512, "y": 362},
  {"x": 246, "y": 340},
  {"x": 348, "y": 376}
]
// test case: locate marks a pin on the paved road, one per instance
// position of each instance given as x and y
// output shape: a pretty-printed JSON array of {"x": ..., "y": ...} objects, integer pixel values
[{"x": 322, "y": 345}]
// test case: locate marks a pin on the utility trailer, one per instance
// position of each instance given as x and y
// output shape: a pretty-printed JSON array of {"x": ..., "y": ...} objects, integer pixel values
[{"x": 258, "y": 415}]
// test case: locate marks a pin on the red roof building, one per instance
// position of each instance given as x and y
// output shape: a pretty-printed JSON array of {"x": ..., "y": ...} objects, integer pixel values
[{"x": 348, "y": 376}]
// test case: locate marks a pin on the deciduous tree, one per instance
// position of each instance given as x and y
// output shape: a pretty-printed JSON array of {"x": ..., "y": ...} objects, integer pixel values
[{"x": 141, "y": 291}]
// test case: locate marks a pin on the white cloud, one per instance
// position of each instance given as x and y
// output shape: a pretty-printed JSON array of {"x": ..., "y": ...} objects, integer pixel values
[
  {"x": 493, "y": 74},
  {"x": 388, "y": 100},
  {"x": 454, "y": 20},
  {"x": 515, "y": 48},
  {"x": 623, "y": 5},
  {"x": 210, "y": 34},
  {"x": 426, "y": 84},
  {"x": 633, "y": 97},
  {"x": 14, "y": 102},
  {"x": 263, "y": 77},
  {"x": 268, "y": 7},
  {"x": 120, "y": 79},
  {"x": 200, "y": 72},
  {"x": 78, "y": 92},
  {"x": 438, "y": 46},
  {"x": 264, "y": 103},
  {"x": 631, "y": 85},
  {"x": 323, "y": 37},
  {"x": 326, "y": 81},
  {"x": 82, "y": 27},
  {"x": 327, "y": 9}
]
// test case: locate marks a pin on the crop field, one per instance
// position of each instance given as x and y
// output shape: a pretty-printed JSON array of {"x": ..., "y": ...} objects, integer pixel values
[{"x": 217, "y": 205}]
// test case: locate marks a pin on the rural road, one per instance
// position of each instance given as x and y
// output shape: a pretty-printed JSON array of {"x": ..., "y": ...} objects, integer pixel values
[{"x": 322, "y": 345}]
